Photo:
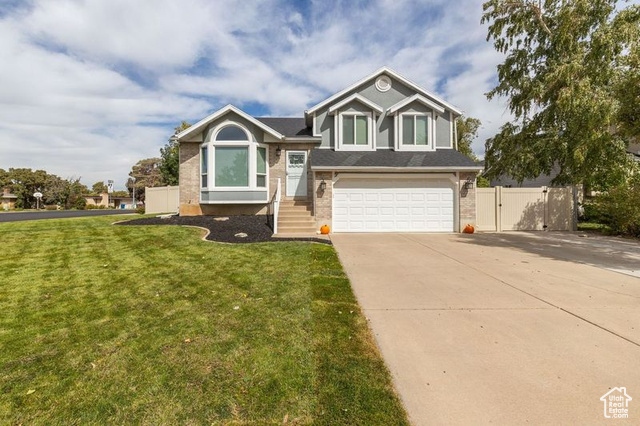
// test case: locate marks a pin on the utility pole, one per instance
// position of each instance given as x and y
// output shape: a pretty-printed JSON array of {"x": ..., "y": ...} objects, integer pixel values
[{"x": 109, "y": 191}]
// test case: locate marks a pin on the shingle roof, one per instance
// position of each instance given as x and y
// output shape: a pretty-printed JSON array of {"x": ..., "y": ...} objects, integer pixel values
[
  {"x": 326, "y": 158},
  {"x": 290, "y": 127}
]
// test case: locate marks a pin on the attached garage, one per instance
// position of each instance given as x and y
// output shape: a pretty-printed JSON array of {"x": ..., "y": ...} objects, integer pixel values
[{"x": 383, "y": 203}]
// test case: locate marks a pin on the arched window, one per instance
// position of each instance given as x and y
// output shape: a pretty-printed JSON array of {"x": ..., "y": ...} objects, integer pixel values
[
  {"x": 231, "y": 133},
  {"x": 238, "y": 162}
]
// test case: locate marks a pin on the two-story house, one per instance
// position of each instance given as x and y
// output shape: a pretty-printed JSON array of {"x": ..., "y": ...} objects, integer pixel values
[{"x": 378, "y": 156}]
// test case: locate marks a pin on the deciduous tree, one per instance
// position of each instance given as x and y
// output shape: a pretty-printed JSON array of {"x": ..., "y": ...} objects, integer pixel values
[
  {"x": 170, "y": 164},
  {"x": 146, "y": 174},
  {"x": 564, "y": 64},
  {"x": 467, "y": 132},
  {"x": 99, "y": 188}
]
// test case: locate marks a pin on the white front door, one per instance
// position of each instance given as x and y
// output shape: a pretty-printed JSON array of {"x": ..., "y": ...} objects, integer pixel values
[
  {"x": 296, "y": 174},
  {"x": 393, "y": 205}
]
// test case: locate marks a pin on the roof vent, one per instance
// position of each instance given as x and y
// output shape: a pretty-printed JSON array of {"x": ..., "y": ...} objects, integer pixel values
[{"x": 383, "y": 83}]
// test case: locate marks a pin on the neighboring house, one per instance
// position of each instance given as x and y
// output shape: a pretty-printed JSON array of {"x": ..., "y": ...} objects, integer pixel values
[
  {"x": 122, "y": 202},
  {"x": 378, "y": 156},
  {"x": 105, "y": 200},
  {"x": 541, "y": 180},
  {"x": 97, "y": 200},
  {"x": 7, "y": 200}
]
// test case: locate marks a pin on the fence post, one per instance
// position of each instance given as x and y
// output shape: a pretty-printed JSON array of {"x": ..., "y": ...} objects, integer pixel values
[{"x": 498, "y": 208}]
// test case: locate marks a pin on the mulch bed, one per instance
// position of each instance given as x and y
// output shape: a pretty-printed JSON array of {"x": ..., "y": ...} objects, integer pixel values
[{"x": 255, "y": 227}]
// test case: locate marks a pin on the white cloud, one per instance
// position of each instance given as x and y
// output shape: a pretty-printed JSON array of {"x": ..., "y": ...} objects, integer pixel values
[{"x": 93, "y": 86}]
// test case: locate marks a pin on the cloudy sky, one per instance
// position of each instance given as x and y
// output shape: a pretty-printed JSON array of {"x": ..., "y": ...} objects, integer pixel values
[{"x": 89, "y": 87}]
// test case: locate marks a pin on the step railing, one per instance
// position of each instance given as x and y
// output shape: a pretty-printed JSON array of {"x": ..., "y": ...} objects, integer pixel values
[{"x": 276, "y": 206}]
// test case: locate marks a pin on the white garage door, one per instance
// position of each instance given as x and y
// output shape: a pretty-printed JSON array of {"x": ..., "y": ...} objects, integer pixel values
[{"x": 393, "y": 205}]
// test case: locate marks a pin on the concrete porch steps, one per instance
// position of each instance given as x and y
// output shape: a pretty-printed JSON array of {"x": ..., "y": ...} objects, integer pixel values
[{"x": 296, "y": 217}]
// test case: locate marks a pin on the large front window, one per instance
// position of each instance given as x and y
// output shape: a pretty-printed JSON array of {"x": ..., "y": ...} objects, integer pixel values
[
  {"x": 233, "y": 161},
  {"x": 232, "y": 166}
]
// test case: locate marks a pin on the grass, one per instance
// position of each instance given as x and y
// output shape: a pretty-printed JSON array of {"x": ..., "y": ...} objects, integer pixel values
[
  {"x": 106, "y": 324},
  {"x": 594, "y": 227}
]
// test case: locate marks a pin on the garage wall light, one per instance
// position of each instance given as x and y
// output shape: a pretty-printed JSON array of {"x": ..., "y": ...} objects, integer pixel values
[{"x": 323, "y": 185}]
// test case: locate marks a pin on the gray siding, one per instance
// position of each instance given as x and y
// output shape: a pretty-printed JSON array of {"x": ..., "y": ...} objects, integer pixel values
[
  {"x": 238, "y": 196},
  {"x": 384, "y": 125},
  {"x": 443, "y": 130}
]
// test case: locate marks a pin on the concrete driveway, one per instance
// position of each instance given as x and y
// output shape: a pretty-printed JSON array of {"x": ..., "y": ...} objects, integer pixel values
[{"x": 502, "y": 328}]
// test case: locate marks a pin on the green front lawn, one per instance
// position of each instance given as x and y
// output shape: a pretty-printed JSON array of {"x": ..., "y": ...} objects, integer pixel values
[{"x": 149, "y": 324}]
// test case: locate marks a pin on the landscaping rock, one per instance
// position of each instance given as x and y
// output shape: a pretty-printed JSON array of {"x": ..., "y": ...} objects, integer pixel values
[
  {"x": 221, "y": 219},
  {"x": 254, "y": 226},
  {"x": 241, "y": 235}
]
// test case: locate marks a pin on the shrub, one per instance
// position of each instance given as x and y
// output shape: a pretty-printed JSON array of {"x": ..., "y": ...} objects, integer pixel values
[
  {"x": 80, "y": 204},
  {"x": 51, "y": 207},
  {"x": 619, "y": 208},
  {"x": 140, "y": 210},
  {"x": 483, "y": 182},
  {"x": 590, "y": 212}
]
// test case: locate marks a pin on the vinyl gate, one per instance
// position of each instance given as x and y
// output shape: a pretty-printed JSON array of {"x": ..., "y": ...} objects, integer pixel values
[
  {"x": 162, "y": 199},
  {"x": 525, "y": 209}
]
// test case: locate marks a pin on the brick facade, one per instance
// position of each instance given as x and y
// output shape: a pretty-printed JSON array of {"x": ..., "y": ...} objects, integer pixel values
[
  {"x": 189, "y": 157},
  {"x": 467, "y": 201},
  {"x": 323, "y": 199}
]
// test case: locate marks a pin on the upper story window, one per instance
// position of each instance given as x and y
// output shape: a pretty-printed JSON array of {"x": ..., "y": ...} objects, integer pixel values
[
  {"x": 232, "y": 160},
  {"x": 415, "y": 132},
  {"x": 355, "y": 131},
  {"x": 415, "y": 123},
  {"x": 354, "y": 123}
]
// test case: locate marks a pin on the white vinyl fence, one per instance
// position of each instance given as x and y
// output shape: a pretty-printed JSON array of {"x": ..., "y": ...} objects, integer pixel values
[
  {"x": 163, "y": 199},
  {"x": 526, "y": 209}
]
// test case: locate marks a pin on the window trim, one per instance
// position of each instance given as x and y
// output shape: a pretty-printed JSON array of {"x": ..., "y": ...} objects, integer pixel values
[
  {"x": 266, "y": 167},
  {"x": 204, "y": 173},
  {"x": 341, "y": 146},
  {"x": 431, "y": 137},
  {"x": 252, "y": 145}
]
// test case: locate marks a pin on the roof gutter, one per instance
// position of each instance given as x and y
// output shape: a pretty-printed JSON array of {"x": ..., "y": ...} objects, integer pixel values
[{"x": 397, "y": 169}]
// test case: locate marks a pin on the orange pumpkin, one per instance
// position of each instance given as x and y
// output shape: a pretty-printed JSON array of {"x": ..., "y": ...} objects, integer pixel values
[
  {"x": 324, "y": 229},
  {"x": 469, "y": 229}
]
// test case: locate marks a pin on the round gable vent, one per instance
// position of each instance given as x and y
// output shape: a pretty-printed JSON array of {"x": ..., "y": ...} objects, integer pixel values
[{"x": 383, "y": 83}]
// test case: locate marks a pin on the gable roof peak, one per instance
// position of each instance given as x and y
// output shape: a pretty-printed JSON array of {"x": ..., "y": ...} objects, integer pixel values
[
  {"x": 386, "y": 70},
  {"x": 200, "y": 125}
]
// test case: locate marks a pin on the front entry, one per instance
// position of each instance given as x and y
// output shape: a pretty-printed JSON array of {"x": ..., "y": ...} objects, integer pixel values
[{"x": 296, "y": 174}]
